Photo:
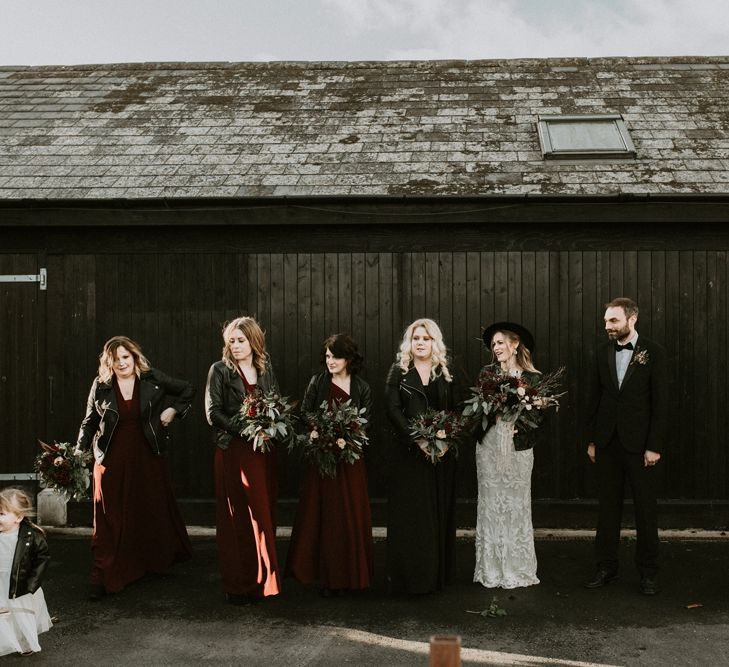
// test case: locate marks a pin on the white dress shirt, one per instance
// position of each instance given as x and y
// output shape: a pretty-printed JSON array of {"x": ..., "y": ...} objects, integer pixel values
[{"x": 623, "y": 358}]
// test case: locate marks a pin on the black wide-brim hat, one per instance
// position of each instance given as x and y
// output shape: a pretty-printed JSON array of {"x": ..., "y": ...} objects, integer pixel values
[{"x": 526, "y": 337}]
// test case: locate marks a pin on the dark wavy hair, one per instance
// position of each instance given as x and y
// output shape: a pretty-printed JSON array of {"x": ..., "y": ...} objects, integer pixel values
[{"x": 342, "y": 346}]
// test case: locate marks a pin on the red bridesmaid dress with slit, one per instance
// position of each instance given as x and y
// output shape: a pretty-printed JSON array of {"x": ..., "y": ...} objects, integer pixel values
[
  {"x": 137, "y": 524},
  {"x": 331, "y": 541},
  {"x": 246, "y": 491}
]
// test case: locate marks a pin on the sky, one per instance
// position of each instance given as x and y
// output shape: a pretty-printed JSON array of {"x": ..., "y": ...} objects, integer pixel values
[{"x": 68, "y": 32}]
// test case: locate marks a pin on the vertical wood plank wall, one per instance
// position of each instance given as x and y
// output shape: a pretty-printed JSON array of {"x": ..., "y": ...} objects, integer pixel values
[
  {"x": 175, "y": 304},
  {"x": 23, "y": 384}
]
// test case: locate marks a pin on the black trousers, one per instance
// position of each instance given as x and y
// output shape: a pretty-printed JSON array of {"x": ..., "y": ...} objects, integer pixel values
[{"x": 615, "y": 466}]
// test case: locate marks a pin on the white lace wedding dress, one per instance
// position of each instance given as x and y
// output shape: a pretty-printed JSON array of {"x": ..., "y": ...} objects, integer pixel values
[{"x": 505, "y": 554}]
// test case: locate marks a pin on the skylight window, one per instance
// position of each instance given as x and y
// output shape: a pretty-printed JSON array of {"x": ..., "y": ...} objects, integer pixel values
[{"x": 584, "y": 137}]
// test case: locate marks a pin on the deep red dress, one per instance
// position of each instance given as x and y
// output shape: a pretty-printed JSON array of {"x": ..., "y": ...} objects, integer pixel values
[
  {"x": 137, "y": 524},
  {"x": 331, "y": 541},
  {"x": 246, "y": 490}
]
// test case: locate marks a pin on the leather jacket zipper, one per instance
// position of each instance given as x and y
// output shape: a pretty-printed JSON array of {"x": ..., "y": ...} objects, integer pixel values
[
  {"x": 422, "y": 393},
  {"x": 17, "y": 577},
  {"x": 116, "y": 421},
  {"x": 17, "y": 573}
]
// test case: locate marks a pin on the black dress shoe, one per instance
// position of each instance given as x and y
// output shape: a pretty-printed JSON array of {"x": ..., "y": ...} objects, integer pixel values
[
  {"x": 601, "y": 578},
  {"x": 648, "y": 586}
]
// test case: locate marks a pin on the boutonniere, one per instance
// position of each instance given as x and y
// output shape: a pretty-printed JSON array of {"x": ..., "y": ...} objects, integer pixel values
[{"x": 641, "y": 358}]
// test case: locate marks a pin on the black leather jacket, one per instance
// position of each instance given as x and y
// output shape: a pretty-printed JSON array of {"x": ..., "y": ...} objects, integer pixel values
[
  {"x": 157, "y": 392},
  {"x": 224, "y": 393},
  {"x": 30, "y": 560},
  {"x": 318, "y": 391},
  {"x": 406, "y": 400}
]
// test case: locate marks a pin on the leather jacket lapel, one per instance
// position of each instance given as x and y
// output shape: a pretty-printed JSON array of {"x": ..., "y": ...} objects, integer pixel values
[
  {"x": 412, "y": 380},
  {"x": 354, "y": 391},
  {"x": 146, "y": 390},
  {"x": 106, "y": 396},
  {"x": 236, "y": 382}
]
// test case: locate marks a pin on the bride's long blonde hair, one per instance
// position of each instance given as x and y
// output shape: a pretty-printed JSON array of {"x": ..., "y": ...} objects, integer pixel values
[{"x": 439, "y": 357}]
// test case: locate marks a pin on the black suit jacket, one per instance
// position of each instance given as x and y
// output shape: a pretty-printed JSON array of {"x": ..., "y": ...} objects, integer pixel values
[{"x": 638, "y": 409}]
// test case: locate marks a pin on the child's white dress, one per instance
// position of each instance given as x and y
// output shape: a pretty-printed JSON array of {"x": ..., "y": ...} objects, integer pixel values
[{"x": 23, "y": 618}]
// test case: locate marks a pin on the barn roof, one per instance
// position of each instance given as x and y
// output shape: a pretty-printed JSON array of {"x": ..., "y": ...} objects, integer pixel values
[{"x": 358, "y": 128}]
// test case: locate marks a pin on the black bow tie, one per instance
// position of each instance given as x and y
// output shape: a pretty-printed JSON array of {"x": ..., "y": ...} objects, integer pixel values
[{"x": 620, "y": 348}]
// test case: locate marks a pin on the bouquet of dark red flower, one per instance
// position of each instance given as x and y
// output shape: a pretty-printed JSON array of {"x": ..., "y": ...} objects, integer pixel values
[
  {"x": 334, "y": 434},
  {"x": 265, "y": 418},
  {"x": 440, "y": 429},
  {"x": 62, "y": 467},
  {"x": 512, "y": 399}
]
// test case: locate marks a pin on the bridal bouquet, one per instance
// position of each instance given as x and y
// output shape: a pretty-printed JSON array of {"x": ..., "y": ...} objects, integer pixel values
[
  {"x": 61, "y": 467},
  {"x": 265, "y": 418},
  {"x": 333, "y": 434},
  {"x": 441, "y": 429},
  {"x": 513, "y": 399}
]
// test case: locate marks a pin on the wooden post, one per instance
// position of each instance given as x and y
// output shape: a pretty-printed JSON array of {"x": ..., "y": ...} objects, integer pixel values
[{"x": 445, "y": 651}]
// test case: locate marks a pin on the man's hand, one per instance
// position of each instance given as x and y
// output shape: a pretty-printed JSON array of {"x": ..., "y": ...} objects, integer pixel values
[
  {"x": 650, "y": 458},
  {"x": 591, "y": 452}
]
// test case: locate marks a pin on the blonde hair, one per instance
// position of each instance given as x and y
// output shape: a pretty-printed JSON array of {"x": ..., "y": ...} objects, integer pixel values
[
  {"x": 438, "y": 359},
  {"x": 523, "y": 354},
  {"x": 106, "y": 358},
  {"x": 16, "y": 501},
  {"x": 256, "y": 337}
]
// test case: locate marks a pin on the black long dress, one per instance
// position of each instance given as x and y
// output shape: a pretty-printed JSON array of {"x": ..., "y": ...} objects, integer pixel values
[{"x": 421, "y": 527}]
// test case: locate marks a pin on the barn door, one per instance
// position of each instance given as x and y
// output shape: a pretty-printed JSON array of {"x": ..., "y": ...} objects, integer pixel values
[{"x": 23, "y": 382}]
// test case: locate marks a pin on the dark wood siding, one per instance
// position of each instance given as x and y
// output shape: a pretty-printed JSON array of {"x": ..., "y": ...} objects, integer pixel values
[
  {"x": 174, "y": 303},
  {"x": 171, "y": 276},
  {"x": 23, "y": 381}
]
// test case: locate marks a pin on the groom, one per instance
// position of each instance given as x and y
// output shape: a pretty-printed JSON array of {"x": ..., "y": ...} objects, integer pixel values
[{"x": 627, "y": 425}]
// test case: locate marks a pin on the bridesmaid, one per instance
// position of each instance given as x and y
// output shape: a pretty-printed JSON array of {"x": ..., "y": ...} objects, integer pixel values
[
  {"x": 245, "y": 480},
  {"x": 331, "y": 542},
  {"x": 137, "y": 524},
  {"x": 421, "y": 529}
]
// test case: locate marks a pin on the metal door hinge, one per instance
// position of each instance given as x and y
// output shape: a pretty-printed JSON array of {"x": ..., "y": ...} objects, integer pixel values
[{"x": 41, "y": 278}]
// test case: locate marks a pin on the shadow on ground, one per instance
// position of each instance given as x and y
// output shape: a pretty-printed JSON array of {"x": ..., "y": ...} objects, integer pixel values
[{"x": 182, "y": 619}]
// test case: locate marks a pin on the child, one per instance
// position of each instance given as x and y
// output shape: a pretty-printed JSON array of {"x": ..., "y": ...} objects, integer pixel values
[{"x": 23, "y": 559}]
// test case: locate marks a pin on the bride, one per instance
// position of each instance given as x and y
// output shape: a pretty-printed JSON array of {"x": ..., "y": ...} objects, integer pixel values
[{"x": 505, "y": 554}]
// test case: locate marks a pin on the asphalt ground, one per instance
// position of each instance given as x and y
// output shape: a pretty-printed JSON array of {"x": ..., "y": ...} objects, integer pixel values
[{"x": 182, "y": 618}]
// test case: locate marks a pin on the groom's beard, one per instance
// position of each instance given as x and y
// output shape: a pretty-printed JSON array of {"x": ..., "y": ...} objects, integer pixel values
[{"x": 619, "y": 334}]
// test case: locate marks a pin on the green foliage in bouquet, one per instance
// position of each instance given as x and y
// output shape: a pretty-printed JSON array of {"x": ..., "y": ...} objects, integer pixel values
[
  {"x": 333, "y": 435},
  {"x": 266, "y": 419},
  {"x": 441, "y": 429},
  {"x": 62, "y": 467}
]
